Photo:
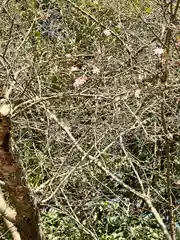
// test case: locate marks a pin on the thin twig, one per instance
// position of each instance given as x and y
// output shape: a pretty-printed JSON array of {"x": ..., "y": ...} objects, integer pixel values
[
  {"x": 145, "y": 197},
  {"x": 164, "y": 79},
  {"x": 100, "y": 24},
  {"x": 76, "y": 218},
  {"x": 168, "y": 173},
  {"x": 132, "y": 165},
  {"x": 9, "y": 40},
  {"x": 26, "y": 36}
]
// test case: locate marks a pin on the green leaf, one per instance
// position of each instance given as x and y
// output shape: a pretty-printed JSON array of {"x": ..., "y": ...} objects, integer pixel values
[
  {"x": 37, "y": 34},
  {"x": 148, "y": 10}
]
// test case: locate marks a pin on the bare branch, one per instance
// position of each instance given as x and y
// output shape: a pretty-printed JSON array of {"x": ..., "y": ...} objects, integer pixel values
[
  {"x": 146, "y": 198},
  {"x": 5, "y": 210}
]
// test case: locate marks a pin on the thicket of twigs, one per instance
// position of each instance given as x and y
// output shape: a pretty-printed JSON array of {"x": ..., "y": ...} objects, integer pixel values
[{"x": 96, "y": 98}]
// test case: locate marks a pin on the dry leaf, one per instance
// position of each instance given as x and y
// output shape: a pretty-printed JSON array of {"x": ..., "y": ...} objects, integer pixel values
[{"x": 79, "y": 81}]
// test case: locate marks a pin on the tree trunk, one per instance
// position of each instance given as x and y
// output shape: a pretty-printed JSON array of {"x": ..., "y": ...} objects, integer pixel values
[{"x": 14, "y": 177}]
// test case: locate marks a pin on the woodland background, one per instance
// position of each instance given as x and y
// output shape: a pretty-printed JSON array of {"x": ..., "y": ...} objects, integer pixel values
[{"x": 95, "y": 121}]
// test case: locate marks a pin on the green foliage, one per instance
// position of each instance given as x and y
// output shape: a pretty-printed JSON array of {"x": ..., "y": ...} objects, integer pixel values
[
  {"x": 109, "y": 222},
  {"x": 56, "y": 226},
  {"x": 115, "y": 224},
  {"x": 148, "y": 10}
]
